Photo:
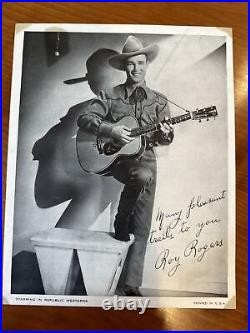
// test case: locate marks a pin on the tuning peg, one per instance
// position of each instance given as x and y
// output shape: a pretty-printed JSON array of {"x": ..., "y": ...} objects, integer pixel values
[
  {"x": 207, "y": 119},
  {"x": 199, "y": 120}
]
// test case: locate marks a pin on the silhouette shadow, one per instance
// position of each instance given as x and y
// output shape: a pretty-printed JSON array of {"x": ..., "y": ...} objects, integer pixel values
[{"x": 59, "y": 177}]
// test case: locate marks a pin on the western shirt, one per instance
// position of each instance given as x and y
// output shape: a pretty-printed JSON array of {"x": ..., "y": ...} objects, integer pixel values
[{"x": 146, "y": 105}]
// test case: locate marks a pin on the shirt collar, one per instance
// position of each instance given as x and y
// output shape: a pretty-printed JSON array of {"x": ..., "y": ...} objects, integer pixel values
[{"x": 128, "y": 91}]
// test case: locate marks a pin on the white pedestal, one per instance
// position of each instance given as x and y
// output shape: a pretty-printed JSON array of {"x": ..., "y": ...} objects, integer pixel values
[{"x": 101, "y": 259}]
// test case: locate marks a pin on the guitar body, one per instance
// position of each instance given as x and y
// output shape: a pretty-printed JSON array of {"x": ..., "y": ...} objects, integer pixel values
[
  {"x": 98, "y": 158},
  {"x": 94, "y": 160}
]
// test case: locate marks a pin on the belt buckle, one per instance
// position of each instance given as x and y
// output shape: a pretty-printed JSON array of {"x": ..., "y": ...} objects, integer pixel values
[{"x": 149, "y": 145}]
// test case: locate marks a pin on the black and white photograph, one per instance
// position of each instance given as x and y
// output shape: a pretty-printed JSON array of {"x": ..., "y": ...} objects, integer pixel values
[{"x": 121, "y": 166}]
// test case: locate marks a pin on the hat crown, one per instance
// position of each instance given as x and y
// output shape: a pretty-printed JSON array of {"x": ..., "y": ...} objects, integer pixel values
[
  {"x": 132, "y": 44},
  {"x": 99, "y": 58}
]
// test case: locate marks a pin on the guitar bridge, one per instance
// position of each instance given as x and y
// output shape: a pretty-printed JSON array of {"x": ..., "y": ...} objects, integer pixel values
[{"x": 109, "y": 149}]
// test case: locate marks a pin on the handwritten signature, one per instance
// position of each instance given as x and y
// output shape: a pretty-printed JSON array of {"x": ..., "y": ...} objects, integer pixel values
[
  {"x": 171, "y": 262},
  {"x": 164, "y": 258},
  {"x": 171, "y": 224},
  {"x": 199, "y": 251}
]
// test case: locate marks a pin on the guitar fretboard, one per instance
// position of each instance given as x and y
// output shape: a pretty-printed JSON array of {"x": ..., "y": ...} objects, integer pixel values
[{"x": 155, "y": 127}]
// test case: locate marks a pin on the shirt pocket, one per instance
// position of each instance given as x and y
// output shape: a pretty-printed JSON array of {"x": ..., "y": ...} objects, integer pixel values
[
  {"x": 119, "y": 109},
  {"x": 150, "y": 113}
]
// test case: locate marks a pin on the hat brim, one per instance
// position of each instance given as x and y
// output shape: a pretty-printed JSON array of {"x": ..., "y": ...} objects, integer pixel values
[
  {"x": 76, "y": 80},
  {"x": 117, "y": 61}
]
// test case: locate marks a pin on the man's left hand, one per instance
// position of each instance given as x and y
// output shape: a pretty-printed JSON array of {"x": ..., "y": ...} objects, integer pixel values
[{"x": 167, "y": 129}]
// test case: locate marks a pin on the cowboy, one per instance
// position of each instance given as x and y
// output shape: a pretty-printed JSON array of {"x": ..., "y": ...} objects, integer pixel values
[{"x": 138, "y": 174}]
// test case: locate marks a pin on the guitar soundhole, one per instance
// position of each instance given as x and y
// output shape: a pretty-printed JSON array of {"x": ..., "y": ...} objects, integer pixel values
[{"x": 110, "y": 149}]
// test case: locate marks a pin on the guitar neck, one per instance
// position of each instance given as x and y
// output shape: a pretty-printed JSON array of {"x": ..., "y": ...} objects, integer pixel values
[{"x": 155, "y": 127}]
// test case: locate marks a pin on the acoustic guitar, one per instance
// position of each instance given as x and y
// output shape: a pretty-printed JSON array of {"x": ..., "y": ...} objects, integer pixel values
[{"x": 98, "y": 156}]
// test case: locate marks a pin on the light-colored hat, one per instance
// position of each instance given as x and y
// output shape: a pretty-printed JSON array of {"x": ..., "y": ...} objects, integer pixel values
[{"x": 132, "y": 47}]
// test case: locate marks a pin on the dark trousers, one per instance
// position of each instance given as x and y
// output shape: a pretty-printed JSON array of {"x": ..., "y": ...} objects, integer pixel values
[{"x": 135, "y": 210}]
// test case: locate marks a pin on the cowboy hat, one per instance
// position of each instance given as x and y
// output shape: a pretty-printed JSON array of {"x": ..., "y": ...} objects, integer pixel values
[
  {"x": 132, "y": 47},
  {"x": 97, "y": 61}
]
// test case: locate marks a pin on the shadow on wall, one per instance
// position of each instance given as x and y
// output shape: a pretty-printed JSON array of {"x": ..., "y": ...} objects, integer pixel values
[{"x": 59, "y": 177}]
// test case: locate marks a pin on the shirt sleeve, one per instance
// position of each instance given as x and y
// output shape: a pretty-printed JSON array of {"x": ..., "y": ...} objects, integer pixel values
[{"x": 92, "y": 118}]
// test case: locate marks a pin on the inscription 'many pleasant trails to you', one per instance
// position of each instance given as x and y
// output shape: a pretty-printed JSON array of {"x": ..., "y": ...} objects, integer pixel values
[{"x": 169, "y": 226}]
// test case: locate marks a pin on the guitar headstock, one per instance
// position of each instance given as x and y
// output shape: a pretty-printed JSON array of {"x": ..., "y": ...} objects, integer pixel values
[{"x": 205, "y": 113}]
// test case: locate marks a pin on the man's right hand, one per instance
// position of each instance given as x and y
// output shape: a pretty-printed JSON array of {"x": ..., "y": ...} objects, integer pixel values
[{"x": 121, "y": 133}]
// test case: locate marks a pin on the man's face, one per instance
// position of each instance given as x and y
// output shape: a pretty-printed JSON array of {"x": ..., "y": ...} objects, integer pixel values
[{"x": 136, "y": 68}]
